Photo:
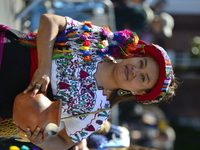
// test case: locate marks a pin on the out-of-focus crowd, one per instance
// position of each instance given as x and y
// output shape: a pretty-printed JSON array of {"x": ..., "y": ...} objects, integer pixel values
[{"x": 146, "y": 17}]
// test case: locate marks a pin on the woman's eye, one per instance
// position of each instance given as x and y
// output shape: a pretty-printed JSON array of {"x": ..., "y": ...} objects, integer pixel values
[
  {"x": 141, "y": 63},
  {"x": 143, "y": 78}
]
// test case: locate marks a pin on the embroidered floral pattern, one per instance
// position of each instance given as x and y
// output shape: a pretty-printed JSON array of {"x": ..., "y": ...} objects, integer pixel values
[{"x": 77, "y": 86}]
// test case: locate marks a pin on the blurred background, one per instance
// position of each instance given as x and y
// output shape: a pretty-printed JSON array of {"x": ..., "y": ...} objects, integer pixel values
[{"x": 173, "y": 24}]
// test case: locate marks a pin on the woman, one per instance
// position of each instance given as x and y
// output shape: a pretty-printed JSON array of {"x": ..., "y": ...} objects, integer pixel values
[{"x": 86, "y": 73}]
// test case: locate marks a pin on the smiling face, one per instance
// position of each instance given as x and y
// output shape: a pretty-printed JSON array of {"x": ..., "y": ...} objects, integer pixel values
[{"x": 136, "y": 74}]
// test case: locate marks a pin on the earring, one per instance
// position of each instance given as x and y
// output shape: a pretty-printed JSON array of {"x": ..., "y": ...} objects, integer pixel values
[
  {"x": 118, "y": 61},
  {"x": 122, "y": 92}
]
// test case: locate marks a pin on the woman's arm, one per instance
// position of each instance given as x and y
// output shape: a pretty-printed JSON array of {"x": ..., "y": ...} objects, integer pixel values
[
  {"x": 60, "y": 141},
  {"x": 49, "y": 27}
]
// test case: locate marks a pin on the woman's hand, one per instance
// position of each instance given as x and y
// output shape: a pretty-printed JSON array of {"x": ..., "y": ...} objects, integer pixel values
[
  {"x": 60, "y": 141},
  {"x": 37, "y": 137},
  {"x": 40, "y": 81},
  {"x": 81, "y": 146}
]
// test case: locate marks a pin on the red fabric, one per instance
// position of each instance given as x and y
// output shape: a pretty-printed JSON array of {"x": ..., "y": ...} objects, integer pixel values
[
  {"x": 34, "y": 62},
  {"x": 152, "y": 51}
]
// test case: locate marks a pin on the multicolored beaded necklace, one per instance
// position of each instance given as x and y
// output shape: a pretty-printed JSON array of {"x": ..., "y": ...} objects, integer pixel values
[{"x": 126, "y": 40}]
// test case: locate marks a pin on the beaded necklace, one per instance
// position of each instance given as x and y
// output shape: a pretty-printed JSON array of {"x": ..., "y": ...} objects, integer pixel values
[{"x": 127, "y": 41}]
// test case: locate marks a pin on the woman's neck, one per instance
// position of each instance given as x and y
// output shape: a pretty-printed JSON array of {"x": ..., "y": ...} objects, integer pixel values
[{"x": 104, "y": 75}]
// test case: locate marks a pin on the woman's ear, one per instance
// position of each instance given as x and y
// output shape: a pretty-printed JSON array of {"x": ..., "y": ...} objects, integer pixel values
[{"x": 142, "y": 92}]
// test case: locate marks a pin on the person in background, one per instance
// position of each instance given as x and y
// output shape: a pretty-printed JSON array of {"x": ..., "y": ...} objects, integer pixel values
[
  {"x": 132, "y": 14},
  {"x": 148, "y": 19},
  {"x": 159, "y": 30}
]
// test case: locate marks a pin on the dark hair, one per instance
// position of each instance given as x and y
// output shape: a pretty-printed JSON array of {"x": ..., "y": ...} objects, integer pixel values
[
  {"x": 115, "y": 99},
  {"x": 171, "y": 92}
]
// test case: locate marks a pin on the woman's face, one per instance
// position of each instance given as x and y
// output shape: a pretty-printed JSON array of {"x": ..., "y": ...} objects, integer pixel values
[{"x": 136, "y": 74}]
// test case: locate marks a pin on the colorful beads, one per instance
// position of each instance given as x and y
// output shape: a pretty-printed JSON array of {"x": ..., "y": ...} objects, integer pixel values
[
  {"x": 127, "y": 43},
  {"x": 85, "y": 53},
  {"x": 72, "y": 34},
  {"x": 100, "y": 46},
  {"x": 86, "y": 28},
  {"x": 86, "y": 34},
  {"x": 62, "y": 51},
  {"x": 57, "y": 55},
  {"x": 84, "y": 37},
  {"x": 28, "y": 43},
  {"x": 62, "y": 44},
  {"x": 106, "y": 31},
  {"x": 14, "y": 148},
  {"x": 86, "y": 48},
  {"x": 86, "y": 43},
  {"x": 88, "y": 23},
  {"x": 87, "y": 58}
]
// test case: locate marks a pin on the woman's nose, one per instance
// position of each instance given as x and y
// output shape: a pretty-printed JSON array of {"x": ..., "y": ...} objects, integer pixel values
[{"x": 136, "y": 71}]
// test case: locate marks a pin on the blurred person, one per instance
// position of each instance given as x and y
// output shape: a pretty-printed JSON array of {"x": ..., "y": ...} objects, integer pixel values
[
  {"x": 163, "y": 23},
  {"x": 148, "y": 126},
  {"x": 160, "y": 29},
  {"x": 149, "y": 21},
  {"x": 132, "y": 14},
  {"x": 156, "y": 5},
  {"x": 166, "y": 136}
]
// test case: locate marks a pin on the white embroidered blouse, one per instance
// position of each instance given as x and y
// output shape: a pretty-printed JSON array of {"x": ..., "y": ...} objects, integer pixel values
[{"x": 73, "y": 81}]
